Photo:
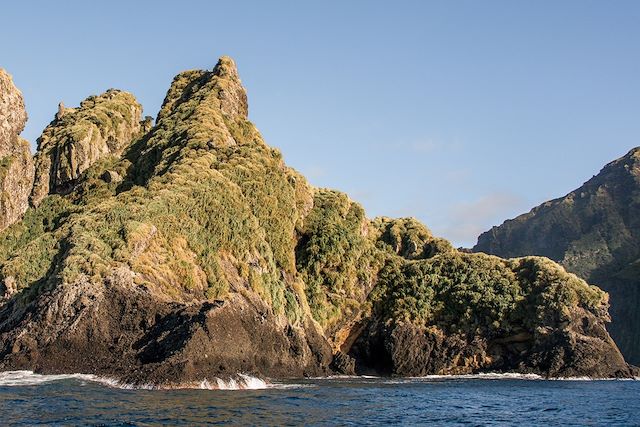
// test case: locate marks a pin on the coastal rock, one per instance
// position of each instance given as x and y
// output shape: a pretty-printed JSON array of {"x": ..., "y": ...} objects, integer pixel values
[
  {"x": 188, "y": 275},
  {"x": 140, "y": 340},
  {"x": 13, "y": 115},
  {"x": 545, "y": 321},
  {"x": 192, "y": 252},
  {"x": 593, "y": 232},
  {"x": 16, "y": 164},
  {"x": 77, "y": 138}
]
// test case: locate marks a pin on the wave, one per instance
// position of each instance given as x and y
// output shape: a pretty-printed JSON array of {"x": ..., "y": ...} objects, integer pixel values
[
  {"x": 248, "y": 382},
  {"x": 29, "y": 378},
  {"x": 478, "y": 376}
]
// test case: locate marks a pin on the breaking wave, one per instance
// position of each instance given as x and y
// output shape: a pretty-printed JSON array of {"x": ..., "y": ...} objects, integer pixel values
[
  {"x": 478, "y": 376},
  {"x": 29, "y": 378},
  {"x": 248, "y": 382}
]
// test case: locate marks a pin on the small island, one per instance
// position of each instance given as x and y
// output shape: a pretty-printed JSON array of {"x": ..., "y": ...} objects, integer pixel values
[{"x": 180, "y": 249}]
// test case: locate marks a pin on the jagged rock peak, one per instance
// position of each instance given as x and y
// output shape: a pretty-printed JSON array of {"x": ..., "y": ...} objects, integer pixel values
[
  {"x": 13, "y": 115},
  {"x": 16, "y": 164},
  {"x": 226, "y": 68},
  {"x": 78, "y": 137},
  {"x": 233, "y": 96},
  {"x": 223, "y": 80}
]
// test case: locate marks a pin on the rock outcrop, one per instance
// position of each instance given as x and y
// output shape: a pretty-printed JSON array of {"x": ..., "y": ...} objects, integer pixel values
[
  {"x": 197, "y": 253},
  {"x": 16, "y": 164},
  {"x": 593, "y": 231},
  {"x": 542, "y": 320},
  {"x": 77, "y": 138}
]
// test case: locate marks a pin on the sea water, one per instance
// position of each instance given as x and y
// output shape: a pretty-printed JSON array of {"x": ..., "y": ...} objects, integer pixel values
[{"x": 506, "y": 399}]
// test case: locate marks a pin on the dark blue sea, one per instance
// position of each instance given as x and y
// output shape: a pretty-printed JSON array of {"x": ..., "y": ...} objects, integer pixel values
[{"x": 28, "y": 399}]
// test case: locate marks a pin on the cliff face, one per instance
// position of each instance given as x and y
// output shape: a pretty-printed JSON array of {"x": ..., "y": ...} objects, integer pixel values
[
  {"x": 197, "y": 253},
  {"x": 16, "y": 165},
  {"x": 593, "y": 232}
]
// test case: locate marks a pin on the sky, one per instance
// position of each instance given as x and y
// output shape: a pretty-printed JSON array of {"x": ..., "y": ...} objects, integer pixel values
[{"x": 459, "y": 113}]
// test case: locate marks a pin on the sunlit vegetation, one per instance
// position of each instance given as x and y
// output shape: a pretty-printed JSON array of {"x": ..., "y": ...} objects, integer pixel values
[{"x": 204, "y": 208}]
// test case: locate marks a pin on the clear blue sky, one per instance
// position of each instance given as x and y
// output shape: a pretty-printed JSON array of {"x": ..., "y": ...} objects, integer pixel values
[{"x": 461, "y": 114}]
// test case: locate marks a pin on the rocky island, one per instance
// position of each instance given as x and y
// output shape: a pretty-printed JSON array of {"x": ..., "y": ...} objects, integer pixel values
[{"x": 173, "y": 251}]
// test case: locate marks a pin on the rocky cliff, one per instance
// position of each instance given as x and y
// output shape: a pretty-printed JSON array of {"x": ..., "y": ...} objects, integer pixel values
[
  {"x": 16, "y": 164},
  {"x": 594, "y": 232},
  {"x": 79, "y": 137},
  {"x": 192, "y": 251}
]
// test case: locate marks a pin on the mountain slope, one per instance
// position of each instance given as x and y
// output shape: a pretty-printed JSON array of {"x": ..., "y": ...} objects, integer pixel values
[
  {"x": 193, "y": 251},
  {"x": 594, "y": 232}
]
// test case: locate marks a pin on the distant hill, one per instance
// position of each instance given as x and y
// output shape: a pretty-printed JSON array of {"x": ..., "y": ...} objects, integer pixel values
[{"x": 594, "y": 232}]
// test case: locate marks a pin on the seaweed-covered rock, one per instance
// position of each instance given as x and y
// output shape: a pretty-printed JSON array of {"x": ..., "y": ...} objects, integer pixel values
[
  {"x": 16, "y": 164},
  {"x": 78, "y": 137}
]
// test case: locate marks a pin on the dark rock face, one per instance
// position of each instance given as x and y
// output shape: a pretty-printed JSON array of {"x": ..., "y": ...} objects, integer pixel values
[
  {"x": 117, "y": 331},
  {"x": 580, "y": 348},
  {"x": 16, "y": 164},
  {"x": 593, "y": 232}
]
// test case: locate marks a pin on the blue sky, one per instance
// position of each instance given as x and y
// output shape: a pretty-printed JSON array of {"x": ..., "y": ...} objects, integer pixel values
[{"x": 460, "y": 113}]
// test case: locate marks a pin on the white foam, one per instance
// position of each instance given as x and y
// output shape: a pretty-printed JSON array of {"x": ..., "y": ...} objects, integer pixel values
[
  {"x": 485, "y": 376},
  {"x": 241, "y": 382},
  {"x": 248, "y": 382},
  {"x": 26, "y": 378},
  {"x": 479, "y": 376},
  {"x": 29, "y": 378}
]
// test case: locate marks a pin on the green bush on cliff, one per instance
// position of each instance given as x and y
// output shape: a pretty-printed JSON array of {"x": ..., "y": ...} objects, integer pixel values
[
  {"x": 460, "y": 291},
  {"x": 476, "y": 293},
  {"x": 407, "y": 237},
  {"x": 551, "y": 291},
  {"x": 28, "y": 247},
  {"x": 335, "y": 260}
]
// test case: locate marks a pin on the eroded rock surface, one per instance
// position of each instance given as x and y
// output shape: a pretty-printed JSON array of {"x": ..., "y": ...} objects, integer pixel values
[{"x": 16, "y": 164}]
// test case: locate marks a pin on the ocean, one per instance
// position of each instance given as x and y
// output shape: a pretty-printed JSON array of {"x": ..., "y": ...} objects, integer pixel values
[{"x": 507, "y": 399}]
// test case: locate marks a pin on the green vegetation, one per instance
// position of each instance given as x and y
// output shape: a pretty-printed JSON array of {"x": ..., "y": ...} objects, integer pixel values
[
  {"x": 28, "y": 247},
  {"x": 335, "y": 260},
  {"x": 477, "y": 293},
  {"x": 408, "y": 238},
  {"x": 203, "y": 207},
  {"x": 79, "y": 137}
]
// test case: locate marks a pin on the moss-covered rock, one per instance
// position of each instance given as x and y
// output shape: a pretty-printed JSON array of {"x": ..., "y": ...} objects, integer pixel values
[
  {"x": 78, "y": 137},
  {"x": 197, "y": 253}
]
